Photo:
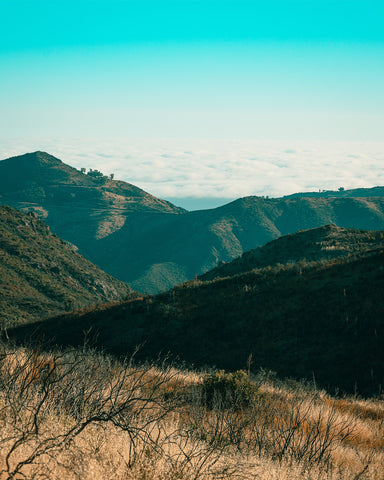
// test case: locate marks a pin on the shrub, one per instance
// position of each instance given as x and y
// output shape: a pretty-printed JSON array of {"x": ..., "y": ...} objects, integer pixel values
[{"x": 231, "y": 390}]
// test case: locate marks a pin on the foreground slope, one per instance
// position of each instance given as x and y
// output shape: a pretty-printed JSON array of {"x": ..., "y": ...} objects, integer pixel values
[
  {"x": 322, "y": 320},
  {"x": 89, "y": 416},
  {"x": 40, "y": 275},
  {"x": 150, "y": 243}
]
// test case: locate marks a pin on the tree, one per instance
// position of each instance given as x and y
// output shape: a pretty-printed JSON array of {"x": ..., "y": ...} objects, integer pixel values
[{"x": 95, "y": 173}]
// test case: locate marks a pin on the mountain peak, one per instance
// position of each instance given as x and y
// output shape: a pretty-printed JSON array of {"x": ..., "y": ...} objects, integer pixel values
[
  {"x": 38, "y": 156},
  {"x": 46, "y": 158},
  {"x": 36, "y": 170},
  {"x": 80, "y": 206},
  {"x": 38, "y": 174}
]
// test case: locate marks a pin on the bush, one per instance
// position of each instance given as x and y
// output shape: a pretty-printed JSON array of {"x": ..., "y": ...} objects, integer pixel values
[{"x": 231, "y": 390}]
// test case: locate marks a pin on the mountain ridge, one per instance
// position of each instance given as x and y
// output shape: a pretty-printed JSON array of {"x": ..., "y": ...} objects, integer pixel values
[
  {"x": 377, "y": 191},
  {"x": 154, "y": 245}
]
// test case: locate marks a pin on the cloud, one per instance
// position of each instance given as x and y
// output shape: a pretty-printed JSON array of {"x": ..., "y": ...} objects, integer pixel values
[{"x": 218, "y": 169}]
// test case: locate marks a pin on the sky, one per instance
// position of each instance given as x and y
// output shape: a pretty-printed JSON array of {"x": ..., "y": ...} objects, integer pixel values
[{"x": 133, "y": 85}]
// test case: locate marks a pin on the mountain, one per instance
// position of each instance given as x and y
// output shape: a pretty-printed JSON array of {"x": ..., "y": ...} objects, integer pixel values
[
  {"x": 38, "y": 177},
  {"x": 322, "y": 243},
  {"x": 77, "y": 206},
  {"x": 179, "y": 247},
  {"x": 321, "y": 320},
  {"x": 80, "y": 208},
  {"x": 40, "y": 275},
  {"x": 152, "y": 244}
]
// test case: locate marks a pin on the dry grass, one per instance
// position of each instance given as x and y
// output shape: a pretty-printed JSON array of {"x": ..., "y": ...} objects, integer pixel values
[{"x": 78, "y": 415}]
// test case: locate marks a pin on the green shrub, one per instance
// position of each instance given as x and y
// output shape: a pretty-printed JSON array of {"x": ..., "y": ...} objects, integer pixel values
[{"x": 231, "y": 390}]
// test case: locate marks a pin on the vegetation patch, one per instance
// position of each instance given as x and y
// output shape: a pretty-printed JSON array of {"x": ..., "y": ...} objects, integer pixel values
[{"x": 233, "y": 389}]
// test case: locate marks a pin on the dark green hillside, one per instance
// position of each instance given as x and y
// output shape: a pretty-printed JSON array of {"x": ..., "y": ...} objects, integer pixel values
[
  {"x": 162, "y": 251},
  {"x": 153, "y": 245},
  {"x": 323, "y": 243},
  {"x": 38, "y": 177},
  {"x": 40, "y": 275},
  {"x": 80, "y": 208},
  {"x": 311, "y": 319}
]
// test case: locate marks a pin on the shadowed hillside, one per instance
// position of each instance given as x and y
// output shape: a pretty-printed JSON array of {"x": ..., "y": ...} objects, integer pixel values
[
  {"x": 322, "y": 320},
  {"x": 323, "y": 243},
  {"x": 150, "y": 243},
  {"x": 40, "y": 275}
]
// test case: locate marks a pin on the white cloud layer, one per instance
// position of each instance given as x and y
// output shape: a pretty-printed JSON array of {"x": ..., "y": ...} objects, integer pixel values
[{"x": 218, "y": 169}]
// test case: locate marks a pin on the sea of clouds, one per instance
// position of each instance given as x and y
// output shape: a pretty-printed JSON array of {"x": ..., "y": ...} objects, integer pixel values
[{"x": 218, "y": 169}]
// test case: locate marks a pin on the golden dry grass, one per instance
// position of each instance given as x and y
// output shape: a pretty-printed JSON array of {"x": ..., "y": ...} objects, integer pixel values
[{"x": 166, "y": 431}]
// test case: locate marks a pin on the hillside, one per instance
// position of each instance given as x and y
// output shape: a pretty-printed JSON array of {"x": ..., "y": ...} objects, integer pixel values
[
  {"x": 38, "y": 177},
  {"x": 40, "y": 275},
  {"x": 322, "y": 243},
  {"x": 321, "y": 320},
  {"x": 78, "y": 207},
  {"x": 180, "y": 247},
  {"x": 150, "y": 243}
]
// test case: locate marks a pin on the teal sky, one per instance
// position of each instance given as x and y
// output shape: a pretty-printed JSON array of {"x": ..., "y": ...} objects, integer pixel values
[{"x": 261, "y": 69}]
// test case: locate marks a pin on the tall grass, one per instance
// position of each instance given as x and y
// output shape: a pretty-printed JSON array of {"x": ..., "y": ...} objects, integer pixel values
[{"x": 76, "y": 414}]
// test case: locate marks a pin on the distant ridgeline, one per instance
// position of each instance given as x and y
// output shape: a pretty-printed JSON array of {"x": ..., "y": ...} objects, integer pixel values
[
  {"x": 154, "y": 245},
  {"x": 342, "y": 193},
  {"x": 308, "y": 305}
]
